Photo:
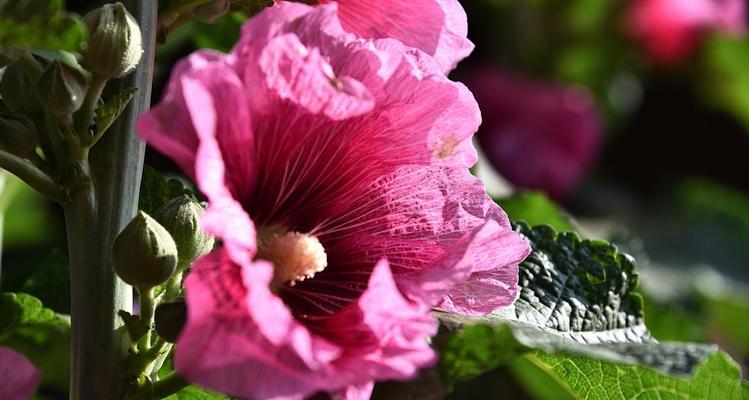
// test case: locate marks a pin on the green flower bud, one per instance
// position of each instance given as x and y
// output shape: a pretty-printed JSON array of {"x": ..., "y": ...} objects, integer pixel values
[
  {"x": 114, "y": 42},
  {"x": 144, "y": 254},
  {"x": 181, "y": 217},
  {"x": 64, "y": 88},
  {"x": 17, "y": 135},
  {"x": 19, "y": 91},
  {"x": 169, "y": 319},
  {"x": 212, "y": 11}
]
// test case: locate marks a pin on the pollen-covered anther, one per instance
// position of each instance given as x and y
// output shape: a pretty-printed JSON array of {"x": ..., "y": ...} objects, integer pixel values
[{"x": 295, "y": 256}]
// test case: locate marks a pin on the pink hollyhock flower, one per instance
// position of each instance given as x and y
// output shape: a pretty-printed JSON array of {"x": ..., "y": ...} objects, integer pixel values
[
  {"x": 436, "y": 27},
  {"x": 336, "y": 173},
  {"x": 671, "y": 30},
  {"x": 18, "y": 377},
  {"x": 537, "y": 135}
]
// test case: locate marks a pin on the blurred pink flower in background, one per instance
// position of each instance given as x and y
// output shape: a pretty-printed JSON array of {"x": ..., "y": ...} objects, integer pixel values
[
  {"x": 18, "y": 377},
  {"x": 336, "y": 171},
  {"x": 436, "y": 27},
  {"x": 670, "y": 30},
  {"x": 538, "y": 135}
]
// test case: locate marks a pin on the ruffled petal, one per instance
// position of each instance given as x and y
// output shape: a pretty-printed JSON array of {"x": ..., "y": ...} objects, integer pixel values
[
  {"x": 239, "y": 338},
  {"x": 301, "y": 75},
  {"x": 437, "y": 228},
  {"x": 437, "y": 27},
  {"x": 384, "y": 334},
  {"x": 18, "y": 377}
]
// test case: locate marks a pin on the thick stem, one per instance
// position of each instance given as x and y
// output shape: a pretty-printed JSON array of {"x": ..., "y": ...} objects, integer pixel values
[{"x": 94, "y": 216}]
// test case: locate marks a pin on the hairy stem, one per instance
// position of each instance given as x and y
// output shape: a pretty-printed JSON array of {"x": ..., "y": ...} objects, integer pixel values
[{"x": 94, "y": 216}]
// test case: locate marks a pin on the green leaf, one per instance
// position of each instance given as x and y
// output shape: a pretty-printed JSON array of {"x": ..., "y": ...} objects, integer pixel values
[
  {"x": 108, "y": 112},
  {"x": 50, "y": 283},
  {"x": 725, "y": 79},
  {"x": 191, "y": 392},
  {"x": 40, "y": 23},
  {"x": 537, "y": 382},
  {"x": 22, "y": 311},
  {"x": 221, "y": 35},
  {"x": 718, "y": 378},
  {"x": 38, "y": 333},
  {"x": 534, "y": 208},
  {"x": 25, "y": 213},
  {"x": 576, "y": 297},
  {"x": 155, "y": 190}
]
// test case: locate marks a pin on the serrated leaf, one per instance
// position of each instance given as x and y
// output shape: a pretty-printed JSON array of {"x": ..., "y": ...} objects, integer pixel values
[
  {"x": 534, "y": 208},
  {"x": 717, "y": 378},
  {"x": 108, "y": 112},
  {"x": 156, "y": 190},
  {"x": 40, "y": 23},
  {"x": 576, "y": 297},
  {"x": 21, "y": 311}
]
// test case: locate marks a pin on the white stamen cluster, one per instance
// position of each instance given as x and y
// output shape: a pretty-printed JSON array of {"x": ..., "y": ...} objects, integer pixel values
[{"x": 295, "y": 256}]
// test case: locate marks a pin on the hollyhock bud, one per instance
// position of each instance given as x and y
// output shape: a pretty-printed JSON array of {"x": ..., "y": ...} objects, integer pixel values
[
  {"x": 114, "y": 43},
  {"x": 17, "y": 135},
  {"x": 538, "y": 135},
  {"x": 170, "y": 318},
  {"x": 144, "y": 253},
  {"x": 181, "y": 217},
  {"x": 18, "y": 377},
  {"x": 212, "y": 11},
  {"x": 64, "y": 88},
  {"x": 19, "y": 91}
]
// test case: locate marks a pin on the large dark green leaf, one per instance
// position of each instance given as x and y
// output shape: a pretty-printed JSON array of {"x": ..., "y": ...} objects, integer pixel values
[
  {"x": 577, "y": 297},
  {"x": 39, "y": 23},
  {"x": 718, "y": 378}
]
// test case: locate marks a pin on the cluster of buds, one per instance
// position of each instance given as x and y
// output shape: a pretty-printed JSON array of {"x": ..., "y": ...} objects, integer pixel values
[
  {"x": 33, "y": 88},
  {"x": 148, "y": 251}
]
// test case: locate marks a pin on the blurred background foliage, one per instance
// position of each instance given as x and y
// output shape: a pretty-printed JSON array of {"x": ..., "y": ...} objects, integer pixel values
[{"x": 653, "y": 158}]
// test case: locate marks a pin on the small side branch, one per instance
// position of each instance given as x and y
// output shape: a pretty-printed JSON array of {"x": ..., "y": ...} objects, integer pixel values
[{"x": 32, "y": 175}]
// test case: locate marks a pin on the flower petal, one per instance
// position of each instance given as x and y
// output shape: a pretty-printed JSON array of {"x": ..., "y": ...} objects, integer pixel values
[
  {"x": 437, "y": 27},
  {"x": 18, "y": 377},
  {"x": 301, "y": 75},
  {"x": 226, "y": 348}
]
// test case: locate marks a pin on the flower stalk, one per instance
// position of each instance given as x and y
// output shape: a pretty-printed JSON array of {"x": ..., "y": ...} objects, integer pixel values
[{"x": 95, "y": 214}]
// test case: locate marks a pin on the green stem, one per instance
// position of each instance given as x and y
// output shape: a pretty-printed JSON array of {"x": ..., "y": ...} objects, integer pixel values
[
  {"x": 32, "y": 175},
  {"x": 147, "y": 307},
  {"x": 94, "y": 216},
  {"x": 85, "y": 114},
  {"x": 173, "y": 285},
  {"x": 171, "y": 384}
]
